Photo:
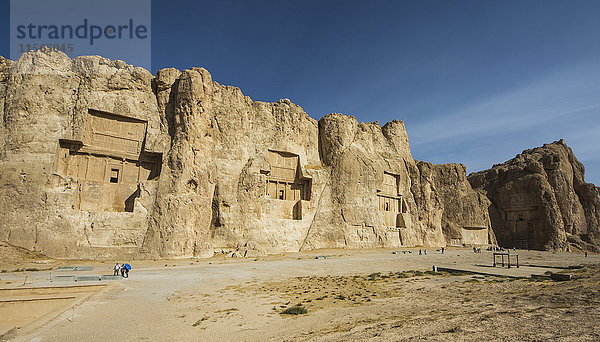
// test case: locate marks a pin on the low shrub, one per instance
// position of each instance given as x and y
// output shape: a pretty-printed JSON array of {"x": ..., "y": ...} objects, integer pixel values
[{"x": 295, "y": 310}]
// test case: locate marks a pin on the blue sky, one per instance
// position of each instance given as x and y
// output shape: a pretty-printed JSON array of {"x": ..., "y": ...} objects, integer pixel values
[{"x": 476, "y": 82}]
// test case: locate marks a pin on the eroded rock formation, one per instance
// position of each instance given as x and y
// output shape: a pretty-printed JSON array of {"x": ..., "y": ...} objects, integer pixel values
[
  {"x": 81, "y": 150},
  {"x": 540, "y": 200},
  {"x": 99, "y": 158}
]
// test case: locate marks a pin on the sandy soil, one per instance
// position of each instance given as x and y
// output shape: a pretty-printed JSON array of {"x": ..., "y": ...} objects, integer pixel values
[
  {"x": 353, "y": 295},
  {"x": 33, "y": 307}
]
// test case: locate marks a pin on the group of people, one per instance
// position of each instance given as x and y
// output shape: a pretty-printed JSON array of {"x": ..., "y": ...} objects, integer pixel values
[
  {"x": 121, "y": 269},
  {"x": 424, "y": 251},
  {"x": 496, "y": 249}
]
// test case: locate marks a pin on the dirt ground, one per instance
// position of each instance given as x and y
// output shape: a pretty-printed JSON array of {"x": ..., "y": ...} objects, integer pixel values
[
  {"x": 442, "y": 307},
  {"x": 351, "y": 295}
]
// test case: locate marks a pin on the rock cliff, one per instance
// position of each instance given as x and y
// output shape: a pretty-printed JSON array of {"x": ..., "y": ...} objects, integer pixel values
[
  {"x": 68, "y": 125},
  {"x": 101, "y": 159},
  {"x": 540, "y": 200}
]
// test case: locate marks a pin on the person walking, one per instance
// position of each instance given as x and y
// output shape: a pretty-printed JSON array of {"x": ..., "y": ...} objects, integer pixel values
[
  {"x": 117, "y": 269},
  {"x": 122, "y": 270}
]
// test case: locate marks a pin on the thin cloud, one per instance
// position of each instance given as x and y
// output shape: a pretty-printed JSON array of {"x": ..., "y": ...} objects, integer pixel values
[
  {"x": 563, "y": 105},
  {"x": 562, "y": 95}
]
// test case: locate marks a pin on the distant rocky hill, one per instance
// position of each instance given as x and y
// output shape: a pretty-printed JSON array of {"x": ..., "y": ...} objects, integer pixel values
[
  {"x": 540, "y": 200},
  {"x": 101, "y": 159}
]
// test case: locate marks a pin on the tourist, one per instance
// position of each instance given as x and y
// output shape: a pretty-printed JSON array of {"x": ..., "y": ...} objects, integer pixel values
[
  {"x": 442, "y": 250},
  {"x": 122, "y": 270},
  {"x": 126, "y": 272},
  {"x": 117, "y": 268},
  {"x": 425, "y": 252},
  {"x": 419, "y": 252}
]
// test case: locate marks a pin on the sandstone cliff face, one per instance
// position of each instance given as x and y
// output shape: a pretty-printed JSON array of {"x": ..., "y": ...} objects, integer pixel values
[
  {"x": 213, "y": 192},
  {"x": 100, "y": 158},
  {"x": 4, "y": 74},
  {"x": 540, "y": 200},
  {"x": 465, "y": 218},
  {"x": 366, "y": 201},
  {"x": 50, "y": 204},
  {"x": 378, "y": 196}
]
